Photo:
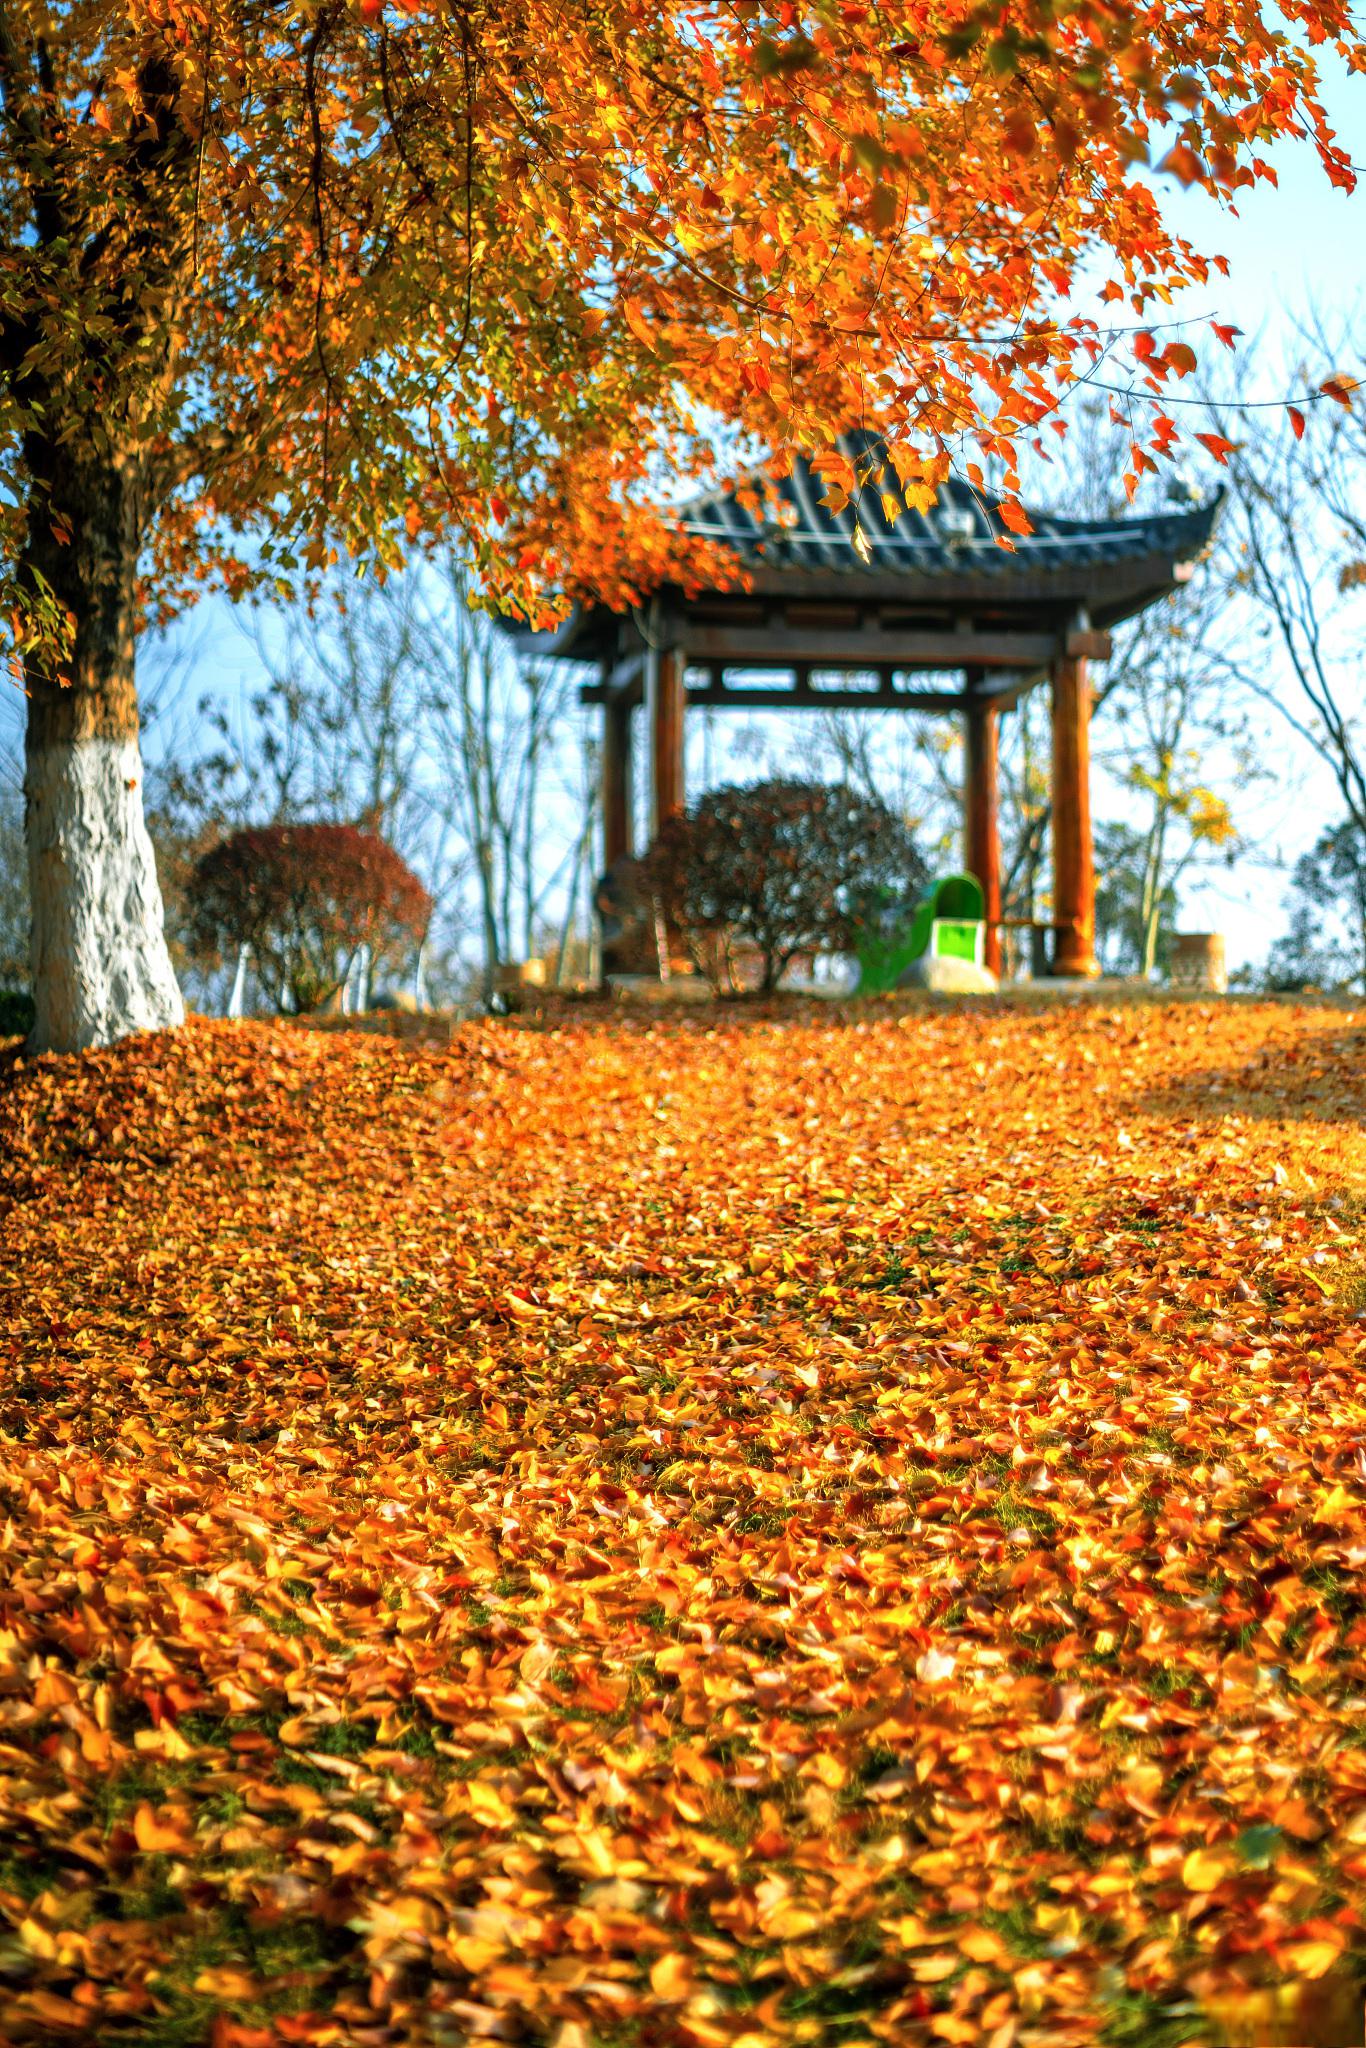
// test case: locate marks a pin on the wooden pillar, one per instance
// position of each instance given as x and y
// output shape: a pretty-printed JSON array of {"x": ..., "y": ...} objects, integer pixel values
[
  {"x": 618, "y": 807},
  {"x": 1074, "y": 873},
  {"x": 667, "y": 789},
  {"x": 981, "y": 827}
]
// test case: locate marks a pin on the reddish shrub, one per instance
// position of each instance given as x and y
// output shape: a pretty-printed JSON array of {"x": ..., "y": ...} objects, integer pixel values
[{"x": 305, "y": 899}]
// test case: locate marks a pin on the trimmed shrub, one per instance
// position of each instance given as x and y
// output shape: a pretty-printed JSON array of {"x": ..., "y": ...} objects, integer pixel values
[
  {"x": 305, "y": 899},
  {"x": 784, "y": 867}
]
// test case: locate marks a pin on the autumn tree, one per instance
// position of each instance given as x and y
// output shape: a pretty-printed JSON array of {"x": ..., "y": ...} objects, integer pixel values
[
  {"x": 1324, "y": 944},
  {"x": 282, "y": 284}
]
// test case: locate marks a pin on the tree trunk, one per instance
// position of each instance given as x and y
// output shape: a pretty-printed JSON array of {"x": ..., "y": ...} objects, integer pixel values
[
  {"x": 1152, "y": 891},
  {"x": 101, "y": 968},
  {"x": 488, "y": 908}
]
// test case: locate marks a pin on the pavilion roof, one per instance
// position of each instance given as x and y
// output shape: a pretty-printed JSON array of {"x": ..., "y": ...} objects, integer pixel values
[
  {"x": 958, "y": 538},
  {"x": 796, "y": 552}
]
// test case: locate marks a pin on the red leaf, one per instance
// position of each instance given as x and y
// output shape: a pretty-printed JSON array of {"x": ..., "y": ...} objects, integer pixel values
[
  {"x": 1296, "y": 421},
  {"x": 1226, "y": 334},
  {"x": 1339, "y": 388},
  {"x": 1183, "y": 163},
  {"x": 1218, "y": 447}
]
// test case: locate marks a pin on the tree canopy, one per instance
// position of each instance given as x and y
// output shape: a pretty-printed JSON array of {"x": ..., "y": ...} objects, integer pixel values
[{"x": 329, "y": 274}]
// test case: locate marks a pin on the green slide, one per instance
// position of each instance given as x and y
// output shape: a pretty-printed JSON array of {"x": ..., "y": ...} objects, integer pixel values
[{"x": 947, "y": 924}]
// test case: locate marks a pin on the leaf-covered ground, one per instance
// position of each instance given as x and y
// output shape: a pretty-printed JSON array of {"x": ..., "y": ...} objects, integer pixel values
[{"x": 718, "y": 1532}]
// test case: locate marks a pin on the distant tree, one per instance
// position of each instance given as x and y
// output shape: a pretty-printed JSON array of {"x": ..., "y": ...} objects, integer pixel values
[
  {"x": 785, "y": 867},
  {"x": 503, "y": 739},
  {"x": 1133, "y": 928},
  {"x": 1325, "y": 945},
  {"x": 305, "y": 899},
  {"x": 1299, "y": 483},
  {"x": 1169, "y": 710},
  {"x": 400, "y": 705}
]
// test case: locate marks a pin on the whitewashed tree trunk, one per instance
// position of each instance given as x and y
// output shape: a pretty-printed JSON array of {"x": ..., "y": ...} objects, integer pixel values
[
  {"x": 101, "y": 968},
  {"x": 100, "y": 964},
  {"x": 237, "y": 1001}
]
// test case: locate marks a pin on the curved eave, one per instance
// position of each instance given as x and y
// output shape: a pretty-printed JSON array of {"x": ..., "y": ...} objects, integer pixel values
[
  {"x": 1112, "y": 570},
  {"x": 912, "y": 554}
]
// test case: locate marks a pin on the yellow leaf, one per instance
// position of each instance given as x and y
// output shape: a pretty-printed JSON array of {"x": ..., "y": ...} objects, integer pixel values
[
  {"x": 488, "y": 1805},
  {"x": 982, "y": 1946},
  {"x": 671, "y": 1977},
  {"x": 223, "y": 1981},
  {"x": 934, "y": 1969},
  {"x": 1311, "y": 1958},
  {"x": 1203, "y": 1870}
]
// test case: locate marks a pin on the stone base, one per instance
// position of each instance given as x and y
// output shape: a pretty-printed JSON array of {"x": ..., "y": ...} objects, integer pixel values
[
  {"x": 949, "y": 977},
  {"x": 648, "y": 988}
]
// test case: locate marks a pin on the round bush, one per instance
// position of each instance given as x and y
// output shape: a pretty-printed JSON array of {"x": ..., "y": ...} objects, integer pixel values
[
  {"x": 305, "y": 899},
  {"x": 786, "y": 867}
]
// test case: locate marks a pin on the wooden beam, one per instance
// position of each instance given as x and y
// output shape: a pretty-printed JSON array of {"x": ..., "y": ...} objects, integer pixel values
[
  {"x": 1111, "y": 590},
  {"x": 668, "y": 700},
  {"x": 981, "y": 823},
  {"x": 822, "y": 647},
  {"x": 624, "y": 677},
  {"x": 618, "y": 807},
  {"x": 1074, "y": 873},
  {"x": 747, "y": 697},
  {"x": 1082, "y": 644}
]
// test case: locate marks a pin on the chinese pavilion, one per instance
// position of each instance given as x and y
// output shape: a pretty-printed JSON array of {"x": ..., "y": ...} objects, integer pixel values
[{"x": 926, "y": 613}]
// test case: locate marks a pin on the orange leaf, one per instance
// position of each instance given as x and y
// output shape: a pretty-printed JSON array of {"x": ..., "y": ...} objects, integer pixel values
[
  {"x": 158, "y": 1836},
  {"x": 635, "y": 318},
  {"x": 671, "y": 1977},
  {"x": 1183, "y": 163}
]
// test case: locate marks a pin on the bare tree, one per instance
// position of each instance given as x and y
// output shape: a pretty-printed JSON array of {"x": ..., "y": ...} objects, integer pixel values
[
  {"x": 1176, "y": 705},
  {"x": 1169, "y": 712},
  {"x": 1300, "y": 498},
  {"x": 502, "y": 736}
]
